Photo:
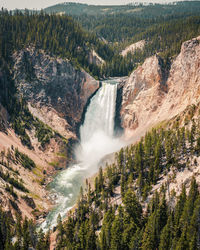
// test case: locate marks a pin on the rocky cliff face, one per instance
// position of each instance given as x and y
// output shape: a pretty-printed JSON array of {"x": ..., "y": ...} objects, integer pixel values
[
  {"x": 133, "y": 47},
  {"x": 152, "y": 95},
  {"x": 56, "y": 93},
  {"x": 55, "y": 90}
]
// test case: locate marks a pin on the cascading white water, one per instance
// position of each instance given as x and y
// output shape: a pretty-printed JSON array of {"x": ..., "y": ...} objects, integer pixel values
[
  {"x": 101, "y": 113},
  {"x": 96, "y": 140}
]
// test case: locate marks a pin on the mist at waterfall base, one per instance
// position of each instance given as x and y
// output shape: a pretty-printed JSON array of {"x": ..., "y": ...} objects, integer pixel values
[{"x": 96, "y": 140}]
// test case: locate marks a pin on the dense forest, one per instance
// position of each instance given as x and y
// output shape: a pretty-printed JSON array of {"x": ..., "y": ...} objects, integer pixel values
[
  {"x": 163, "y": 27},
  {"x": 129, "y": 227},
  {"x": 164, "y": 39},
  {"x": 137, "y": 9},
  {"x": 122, "y": 28},
  {"x": 162, "y": 35},
  {"x": 58, "y": 35},
  {"x": 21, "y": 234},
  {"x": 64, "y": 37},
  {"x": 164, "y": 220}
]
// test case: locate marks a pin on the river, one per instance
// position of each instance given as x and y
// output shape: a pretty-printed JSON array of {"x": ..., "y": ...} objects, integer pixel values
[{"x": 96, "y": 140}]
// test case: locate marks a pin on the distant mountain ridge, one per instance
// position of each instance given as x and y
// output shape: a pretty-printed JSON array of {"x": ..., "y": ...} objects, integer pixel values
[{"x": 136, "y": 8}]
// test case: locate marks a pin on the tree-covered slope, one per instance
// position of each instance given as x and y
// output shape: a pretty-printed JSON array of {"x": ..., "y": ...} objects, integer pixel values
[
  {"x": 121, "y": 23},
  {"x": 121, "y": 212},
  {"x": 20, "y": 234},
  {"x": 59, "y": 35},
  {"x": 62, "y": 36},
  {"x": 139, "y": 10}
]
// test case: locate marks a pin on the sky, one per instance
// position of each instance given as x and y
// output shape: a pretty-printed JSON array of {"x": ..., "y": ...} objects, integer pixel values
[{"x": 39, "y": 4}]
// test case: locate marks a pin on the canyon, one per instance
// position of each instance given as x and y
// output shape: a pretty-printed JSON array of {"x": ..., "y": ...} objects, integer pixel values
[
  {"x": 150, "y": 95},
  {"x": 58, "y": 94}
]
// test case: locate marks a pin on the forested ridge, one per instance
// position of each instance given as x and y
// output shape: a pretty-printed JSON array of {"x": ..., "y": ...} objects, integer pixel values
[
  {"x": 163, "y": 27},
  {"x": 141, "y": 10},
  {"x": 124, "y": 27},
  {"x": 64, "y": 37},
  {"x": 58, "y": 35},
  {"x": 166, "y": 220},
  {"x": 163, "y": 38},
  {"x": 128, "y": 227},
  {"x": 162, "y": 35}
]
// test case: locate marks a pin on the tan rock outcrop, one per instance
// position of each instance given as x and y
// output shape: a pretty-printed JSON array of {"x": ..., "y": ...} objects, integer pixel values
[
  {"x": 53, "y": 87},
  {"x": 133, "y": 47},
  {"x": 152, "y": 95}
]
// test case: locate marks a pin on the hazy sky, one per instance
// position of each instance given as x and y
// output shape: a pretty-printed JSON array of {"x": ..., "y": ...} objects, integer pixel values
[{"x": 38, "y": 4}]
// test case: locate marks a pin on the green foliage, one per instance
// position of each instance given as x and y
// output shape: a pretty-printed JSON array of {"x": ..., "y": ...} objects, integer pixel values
[
  {"x": 24, "y": 160},
  {"x": 132, "y": 207},
  {"x": 29, "y": 201},
  {"x": 43, "y": 132},
  {"x": 20, "y": 234},
  {"x": 125, "y": 228},
  {"x": 11, "y": 191},
  {"x": 58, "y": 35},
  {"x": 62, "y": 36},
  {"x": 19, "y": 185},
  {"x": 22, "y": 119},
  {"x": 163, "y": 34},
  {"x": 137, "y": 10},
  {"x": 162, "y": 225}
]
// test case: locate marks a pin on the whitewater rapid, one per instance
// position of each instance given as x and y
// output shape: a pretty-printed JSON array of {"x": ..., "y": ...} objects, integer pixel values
[{"x": 96, "y": 140}]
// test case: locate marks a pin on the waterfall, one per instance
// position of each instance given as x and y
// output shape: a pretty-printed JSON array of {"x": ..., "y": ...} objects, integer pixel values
[
  {"x": 100, "y": 113},
  {"x": 96, "y": 141}
]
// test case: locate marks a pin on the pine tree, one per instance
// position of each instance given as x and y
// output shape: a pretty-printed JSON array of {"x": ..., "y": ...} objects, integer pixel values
[
  {"x": 132, "y": 206},
  {"x": 116, "y": 234},
  {"x": 105, "y": 235},
  {"x": 166, "y": 235}
]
